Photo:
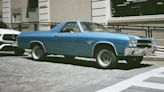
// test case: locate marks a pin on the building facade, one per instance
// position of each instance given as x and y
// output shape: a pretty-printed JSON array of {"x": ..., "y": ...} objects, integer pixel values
[
  {"x": 16, "y": 11},
  {"x": 63, "y": 10},
  {"x": 13, "y": 11},
  {"x": 102, "y": 11},
  {"x": 128, "y": 11}
]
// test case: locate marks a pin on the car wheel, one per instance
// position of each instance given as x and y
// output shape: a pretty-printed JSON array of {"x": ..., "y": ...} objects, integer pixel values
[
  {"x": 134, "y": 60},
  {"x": 106, "y": 58},
  {"x": 38, "y": 53},
  {"x": 19, "y": 52}
]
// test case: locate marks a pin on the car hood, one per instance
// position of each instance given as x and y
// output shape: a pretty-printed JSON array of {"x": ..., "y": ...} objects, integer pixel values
[
  {"x": 118, "y": 36},
  {"x": 139, "y": 37},
  {"x": 8, "y": 31}
]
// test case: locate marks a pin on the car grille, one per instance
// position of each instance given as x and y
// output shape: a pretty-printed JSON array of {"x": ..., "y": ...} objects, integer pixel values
[
  {"x": 144, "y": 43},
  {"x": 10, "y": 37}
]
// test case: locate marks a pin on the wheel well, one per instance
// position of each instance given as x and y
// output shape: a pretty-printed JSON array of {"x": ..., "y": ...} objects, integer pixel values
[
  {"x": 34, "y": 44},
  {"x": 103, "y": 45}
]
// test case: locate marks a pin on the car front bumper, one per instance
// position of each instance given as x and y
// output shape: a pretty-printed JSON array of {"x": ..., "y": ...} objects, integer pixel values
[
  {"x": 139, "y": 51},
  {"x": 8, "y": 47},
  {"x": 4, "y": 45}
]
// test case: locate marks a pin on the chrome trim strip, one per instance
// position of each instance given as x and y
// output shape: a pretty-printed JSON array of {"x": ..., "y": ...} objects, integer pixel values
[
  {"x": 79, "y": 24},
  {"x": 139, "y": 51}
]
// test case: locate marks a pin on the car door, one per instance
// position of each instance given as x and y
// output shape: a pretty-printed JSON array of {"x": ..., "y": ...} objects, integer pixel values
[{"x": 65, "y": 41}]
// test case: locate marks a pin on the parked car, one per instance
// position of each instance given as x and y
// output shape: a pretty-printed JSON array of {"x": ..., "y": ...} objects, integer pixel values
[
  {"x": 8, "y": 38},
  {"x": 87, "y": 39}
]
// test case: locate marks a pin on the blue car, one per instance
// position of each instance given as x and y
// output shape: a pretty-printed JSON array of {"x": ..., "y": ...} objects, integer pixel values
[{"x": 87, "y": 39}]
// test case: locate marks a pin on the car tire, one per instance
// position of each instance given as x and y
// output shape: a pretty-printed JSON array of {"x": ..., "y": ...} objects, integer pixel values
[
  {"x": 19, "y": 52},
  {"x": 38, "y": 53},
  {"x": 106, "y": 58},
  {"x": 136, "y": 60}
]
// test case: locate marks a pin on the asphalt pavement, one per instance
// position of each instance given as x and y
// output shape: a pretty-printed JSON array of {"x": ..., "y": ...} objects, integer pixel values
[{"x": 22, "y": 74}]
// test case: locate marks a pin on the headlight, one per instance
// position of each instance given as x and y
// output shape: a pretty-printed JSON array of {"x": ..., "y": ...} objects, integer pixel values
[{"x": 133, "y": 43}]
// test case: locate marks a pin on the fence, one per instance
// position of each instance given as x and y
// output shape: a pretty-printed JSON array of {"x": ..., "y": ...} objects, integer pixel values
[
  {"x": 31, "y": 26},
  {"x": 149, "y": 31}
]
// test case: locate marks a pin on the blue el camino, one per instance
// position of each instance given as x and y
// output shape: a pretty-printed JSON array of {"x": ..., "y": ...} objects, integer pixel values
[{"x": 87, "y": 39}]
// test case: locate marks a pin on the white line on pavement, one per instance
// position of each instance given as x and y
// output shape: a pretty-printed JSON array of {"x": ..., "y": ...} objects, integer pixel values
[
  {"x": 150, "y": 85},
  {"x": 159, "y": 75},
  {"x": 136, "y": 80}
]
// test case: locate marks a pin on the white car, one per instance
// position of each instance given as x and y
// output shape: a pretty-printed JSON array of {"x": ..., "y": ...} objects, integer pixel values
[{"x": 8, "y": 39}]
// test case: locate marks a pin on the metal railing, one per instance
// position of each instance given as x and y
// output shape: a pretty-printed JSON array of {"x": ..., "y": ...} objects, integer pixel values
[
  {"x": 148, "y": 31},
  {"x": 31, "y": 26},
  {"x": 156, "y": 32}
]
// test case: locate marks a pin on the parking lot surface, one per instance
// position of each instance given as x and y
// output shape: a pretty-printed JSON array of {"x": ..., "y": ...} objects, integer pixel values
[{"x": 56, "y": 74}]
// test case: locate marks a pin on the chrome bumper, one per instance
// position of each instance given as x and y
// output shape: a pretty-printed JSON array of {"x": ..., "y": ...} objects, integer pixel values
[
  {"x": 139, "y": 51},
  {"x": 11, "y": 44},
  {"x": 4, "y": 45}
]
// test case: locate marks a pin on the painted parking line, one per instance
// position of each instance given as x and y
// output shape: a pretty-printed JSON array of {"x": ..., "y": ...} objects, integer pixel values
[
  {"x": 150, "y": 85},
  {"x": 138, "y": 80}
]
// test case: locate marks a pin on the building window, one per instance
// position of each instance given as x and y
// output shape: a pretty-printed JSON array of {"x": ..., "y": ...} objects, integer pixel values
[
  {"x": 136, "y": 7},
  {"x": 31, "y": 6},
  {"x": 16, "y": 18}
]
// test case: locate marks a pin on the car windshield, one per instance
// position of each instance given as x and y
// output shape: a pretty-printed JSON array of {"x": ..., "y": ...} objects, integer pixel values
[
  {"x": 4, "y": 25},
  {"x": 92, "y": 27}
]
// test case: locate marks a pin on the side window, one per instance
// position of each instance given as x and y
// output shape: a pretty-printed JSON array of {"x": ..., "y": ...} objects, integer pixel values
[{"x": 71, "y": 27}]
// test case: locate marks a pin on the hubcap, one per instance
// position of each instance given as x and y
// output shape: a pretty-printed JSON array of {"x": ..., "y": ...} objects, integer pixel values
[
  {"x": 37, "y": 52},
  {"x": 104, "y": 57}
]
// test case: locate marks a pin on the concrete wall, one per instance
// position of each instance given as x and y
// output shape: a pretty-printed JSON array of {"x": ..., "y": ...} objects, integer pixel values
[
  {"x": 6, "y": 11},
  {"x": 44, "y": 14},
  {"x": 61, "y": 10},
  {"x": 99, "y": 11}
]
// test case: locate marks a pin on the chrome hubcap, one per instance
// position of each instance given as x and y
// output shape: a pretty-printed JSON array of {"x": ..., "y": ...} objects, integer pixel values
[
  {"x": 37, "y": 52},
  {"x": 104, "y": 58}
]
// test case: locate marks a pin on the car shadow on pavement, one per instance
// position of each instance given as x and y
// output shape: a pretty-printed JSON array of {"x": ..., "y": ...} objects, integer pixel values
[
  {"x": 6, "y": 54},
  {"x": 75, "y": 62},
  {"x": 87, "y": 63},
  {"x": 125, "y": 66}
]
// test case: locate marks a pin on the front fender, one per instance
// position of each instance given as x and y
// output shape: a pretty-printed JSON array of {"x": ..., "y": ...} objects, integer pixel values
[
  {"x": 104, "y": 42},
  {"x": 37, "y": 42}
]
